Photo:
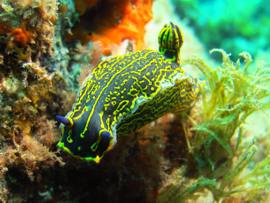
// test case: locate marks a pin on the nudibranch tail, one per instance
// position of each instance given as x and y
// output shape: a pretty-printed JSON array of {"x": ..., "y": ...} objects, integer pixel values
[{"x": 170, "y": 40}]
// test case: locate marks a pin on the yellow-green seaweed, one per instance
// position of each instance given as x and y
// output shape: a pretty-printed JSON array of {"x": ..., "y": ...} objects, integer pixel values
[{"x": 222, "y": 154}]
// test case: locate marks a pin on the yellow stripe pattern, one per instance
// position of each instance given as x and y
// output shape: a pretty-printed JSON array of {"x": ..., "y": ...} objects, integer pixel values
[{"x": 125, "y": 92}]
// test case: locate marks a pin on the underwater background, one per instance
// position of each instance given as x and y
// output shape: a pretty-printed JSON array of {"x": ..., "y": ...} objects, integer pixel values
[{"x": 217, "y": 151}]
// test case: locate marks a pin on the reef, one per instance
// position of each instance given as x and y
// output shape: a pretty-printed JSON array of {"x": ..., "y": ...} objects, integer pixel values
[
  {"x": 210, "y": 153},
  {"x": 32, "y": 86}
]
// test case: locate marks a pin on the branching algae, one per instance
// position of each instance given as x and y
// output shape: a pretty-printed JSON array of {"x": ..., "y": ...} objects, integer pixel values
[
  {"x": 124, "y": 93},
  {"x": 222, "y": 154},
  {"x": 233, "y": 93}
]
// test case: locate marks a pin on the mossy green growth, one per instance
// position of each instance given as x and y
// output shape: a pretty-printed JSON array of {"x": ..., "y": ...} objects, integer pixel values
[
  {"x": 232, "y": 92},
  {"x": 222, "y": 153}
]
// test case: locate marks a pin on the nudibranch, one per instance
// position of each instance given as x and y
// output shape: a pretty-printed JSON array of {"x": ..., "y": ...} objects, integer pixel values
[{"x": 125, "y": 92}]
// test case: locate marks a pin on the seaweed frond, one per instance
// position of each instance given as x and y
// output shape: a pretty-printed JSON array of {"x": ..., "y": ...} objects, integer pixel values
[{"x": 224, "y": 161}]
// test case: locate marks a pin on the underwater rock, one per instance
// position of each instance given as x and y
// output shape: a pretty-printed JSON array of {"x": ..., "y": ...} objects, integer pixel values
[{"x": 32, "y": 88}]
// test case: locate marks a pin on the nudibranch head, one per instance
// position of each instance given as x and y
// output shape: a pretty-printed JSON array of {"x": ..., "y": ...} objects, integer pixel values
[
  {"x": 91, "y": 147},
  {"x": 170, "y": 40}
]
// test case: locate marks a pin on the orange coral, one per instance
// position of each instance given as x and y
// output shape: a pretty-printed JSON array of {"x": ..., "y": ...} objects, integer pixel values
[
  {"x": 131, "y": 26},
  {"x": 112, "y": 21},
  {"x": 21, "y": 36}
]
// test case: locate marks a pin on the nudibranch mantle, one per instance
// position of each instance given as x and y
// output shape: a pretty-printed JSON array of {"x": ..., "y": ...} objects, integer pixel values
[{"x": 122, "y": 94}]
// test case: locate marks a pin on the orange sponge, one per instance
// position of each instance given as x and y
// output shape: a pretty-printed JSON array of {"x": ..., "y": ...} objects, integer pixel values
[
  {"x": 109, "y": 22},
  {"x": 135, "y": 15}
]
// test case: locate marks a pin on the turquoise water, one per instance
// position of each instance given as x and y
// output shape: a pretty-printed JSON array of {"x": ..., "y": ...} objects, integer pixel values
[{"x": 233, "y": 25}]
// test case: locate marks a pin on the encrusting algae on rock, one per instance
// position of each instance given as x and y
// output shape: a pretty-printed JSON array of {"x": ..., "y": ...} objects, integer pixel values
[{"x": 30, "y": 89}]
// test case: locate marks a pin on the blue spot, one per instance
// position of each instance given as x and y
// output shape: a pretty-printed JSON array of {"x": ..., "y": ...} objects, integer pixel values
[{"x": 62, "y": 119}]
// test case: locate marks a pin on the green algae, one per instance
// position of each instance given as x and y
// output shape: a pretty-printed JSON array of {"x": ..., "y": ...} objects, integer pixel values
[
  {"x": 222, "y": 153},
  {"x": 233, "y": 92}
]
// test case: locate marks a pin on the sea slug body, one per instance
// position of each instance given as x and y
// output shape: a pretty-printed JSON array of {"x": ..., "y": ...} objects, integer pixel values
[{"x": 124, "y": 93}]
